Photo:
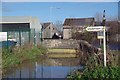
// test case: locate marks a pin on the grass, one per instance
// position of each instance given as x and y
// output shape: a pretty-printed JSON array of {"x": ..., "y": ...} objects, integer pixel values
[{"x": 20, "y": 54}]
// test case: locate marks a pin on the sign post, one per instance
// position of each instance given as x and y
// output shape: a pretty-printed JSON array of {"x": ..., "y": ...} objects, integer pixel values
[
  {"x": 104, "y": 39},
  {"x": 95, "y": 28},
  {"x": 104, "y": 45},
  {"x": 98, "y": 29}
]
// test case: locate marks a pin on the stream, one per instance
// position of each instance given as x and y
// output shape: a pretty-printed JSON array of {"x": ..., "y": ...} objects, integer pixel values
[{"x": 44, "y": 68}]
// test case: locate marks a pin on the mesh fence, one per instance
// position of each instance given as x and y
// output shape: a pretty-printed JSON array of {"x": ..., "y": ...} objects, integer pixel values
[{"x": 21, "y": 38}]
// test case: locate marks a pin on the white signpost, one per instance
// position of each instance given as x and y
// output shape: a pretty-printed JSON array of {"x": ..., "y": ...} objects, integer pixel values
[
  {"x": 100, "y": 35},
  {"x": 98, "y": 29},
  {"x": 95, "y": 28}
]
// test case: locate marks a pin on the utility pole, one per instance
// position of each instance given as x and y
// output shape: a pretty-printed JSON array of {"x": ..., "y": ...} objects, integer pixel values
[
  {"x": 104, "y": 39},
  {"x": 51, "y": 8}
]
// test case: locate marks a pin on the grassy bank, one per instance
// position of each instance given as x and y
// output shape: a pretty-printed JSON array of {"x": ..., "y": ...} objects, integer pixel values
[
  {"x": 18, "y": 54},
  {"x": 95, "y": 69}
]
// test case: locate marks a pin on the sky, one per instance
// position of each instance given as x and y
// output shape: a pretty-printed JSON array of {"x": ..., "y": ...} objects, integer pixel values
[
  {"x": 59, "y": 0},
  {"x": 58, "y": 11}
]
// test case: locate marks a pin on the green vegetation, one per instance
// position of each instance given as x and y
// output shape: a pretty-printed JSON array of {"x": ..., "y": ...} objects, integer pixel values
[
  {"x": 18, "y": 54},
  {"x": 97, "y": 73},
  {"x": 95, "y": 69}
]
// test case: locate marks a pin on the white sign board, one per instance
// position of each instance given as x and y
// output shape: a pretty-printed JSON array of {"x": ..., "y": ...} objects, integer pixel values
[
  {"x": 100, "y": 35},
  {"x": 3, "y": 36},
  {"x": 95, "y": 28}
]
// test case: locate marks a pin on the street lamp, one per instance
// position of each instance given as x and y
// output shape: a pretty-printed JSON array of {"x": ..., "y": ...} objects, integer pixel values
[{"x": 51, "y": 12}]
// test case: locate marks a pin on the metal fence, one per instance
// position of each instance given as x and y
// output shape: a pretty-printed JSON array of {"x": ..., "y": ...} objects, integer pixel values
[{"x": 22, "y": 37}]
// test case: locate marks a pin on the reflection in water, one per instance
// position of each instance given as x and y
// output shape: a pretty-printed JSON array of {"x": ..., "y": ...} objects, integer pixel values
[{"x": 45, "y": 68}]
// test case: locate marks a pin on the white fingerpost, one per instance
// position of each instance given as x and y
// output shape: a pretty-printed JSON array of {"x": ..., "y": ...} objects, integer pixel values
[
  {"x": 104, "y": 44},
  {"x": 104, "y": 39}
]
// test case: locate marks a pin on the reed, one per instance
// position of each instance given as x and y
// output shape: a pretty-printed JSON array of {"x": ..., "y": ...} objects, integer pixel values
[{"x": 18, "y": 54}]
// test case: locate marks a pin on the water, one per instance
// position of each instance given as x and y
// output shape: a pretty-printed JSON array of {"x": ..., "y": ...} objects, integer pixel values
[{"x": 45, "y": 68}]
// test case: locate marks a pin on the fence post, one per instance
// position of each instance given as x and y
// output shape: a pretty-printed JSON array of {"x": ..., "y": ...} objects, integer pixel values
[
  {"x": 7, "y": 40},
  {"x": 34, "y": 38},
  {"x": 29, "y": 35},
  {"x": 19, "y": 37}
]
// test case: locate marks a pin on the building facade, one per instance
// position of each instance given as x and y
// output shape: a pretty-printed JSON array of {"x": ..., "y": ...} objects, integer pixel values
[
  {"x": 48, "y": 30},
  {"x": 23, "y": 29},
  {"x": 75, "y": 24}
]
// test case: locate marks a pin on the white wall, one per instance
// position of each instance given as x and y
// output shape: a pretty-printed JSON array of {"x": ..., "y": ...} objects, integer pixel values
[
  {"x": 3, "y": 36},
  {"x": 66, "y": 33}
]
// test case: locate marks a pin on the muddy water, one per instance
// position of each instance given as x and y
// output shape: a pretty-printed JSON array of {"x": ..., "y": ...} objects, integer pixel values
[{"x": 44, "y": 68}]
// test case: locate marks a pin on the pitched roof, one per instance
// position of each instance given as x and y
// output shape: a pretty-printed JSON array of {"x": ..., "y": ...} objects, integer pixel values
[
  {"x": 45, "y": 25},
  {"x": 98, "y": 23},
  {"x": 112, "y": 23},
  {"x": 108, "y": 23},
  {"x": 78, "y": 21}
]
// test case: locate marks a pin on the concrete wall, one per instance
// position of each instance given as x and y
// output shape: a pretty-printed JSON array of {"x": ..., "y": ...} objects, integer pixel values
[
  {"x": 33, "y": 21},
  {"x": 61, "y": 43},
  {"x": 67, "y": 33},
  {"x": 81, "y": 45}
]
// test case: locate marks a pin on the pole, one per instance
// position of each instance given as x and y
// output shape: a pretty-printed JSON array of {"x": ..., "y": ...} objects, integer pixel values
[
  {"x": 7, "y": 40},
  {"x": 34, "y": 38},
  {"x": 29, "y": 33},
  {"x": 51, "y": 14},
  {"x": 104, "y": 43},
  {"x": 19, "y": 36},
  {"x": 104, "y": 39},
  {"x": 100, "y": 42}
]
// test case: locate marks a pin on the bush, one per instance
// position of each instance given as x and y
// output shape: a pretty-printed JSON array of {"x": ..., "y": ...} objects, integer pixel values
[
  {"x": 102, "y": 72},
  {"x": 95, "y": 68},
  {"x": 97, "y": 73}
]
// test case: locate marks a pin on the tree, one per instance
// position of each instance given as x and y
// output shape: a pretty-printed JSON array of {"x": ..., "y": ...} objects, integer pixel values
[
  {"x": 87, "y": 36},
  {"x": 112, "y": 23},
  {"x": 59, "y": 25},
  {"x": 98, "y": 17}
]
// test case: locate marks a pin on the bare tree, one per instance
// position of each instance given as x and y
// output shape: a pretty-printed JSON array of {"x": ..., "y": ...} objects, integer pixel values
[
  {"x": 98, "y": 17},
  {"x": 59, "y": 25}
]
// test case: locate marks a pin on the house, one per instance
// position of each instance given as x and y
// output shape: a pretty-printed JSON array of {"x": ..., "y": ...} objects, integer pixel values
[
  {"x": 112, "y": 29},
  {"x": 72, "y": 24},
  {"x": 23, "y": 29},
  {"x": 48, "y": 30}
]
